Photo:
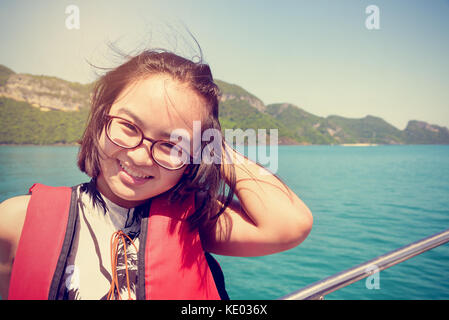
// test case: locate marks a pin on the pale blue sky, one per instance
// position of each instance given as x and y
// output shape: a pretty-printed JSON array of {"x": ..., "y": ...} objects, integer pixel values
[{"x": 315, "y": 54}]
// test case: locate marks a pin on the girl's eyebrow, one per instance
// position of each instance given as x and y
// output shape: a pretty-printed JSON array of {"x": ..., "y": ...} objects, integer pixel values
[
  {"x": 133, "y": 116},
  {"x": 141, "y": 125}
]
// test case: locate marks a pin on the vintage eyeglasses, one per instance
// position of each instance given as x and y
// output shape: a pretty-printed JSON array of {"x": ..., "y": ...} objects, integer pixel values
[{"x": 126, "y": 134}]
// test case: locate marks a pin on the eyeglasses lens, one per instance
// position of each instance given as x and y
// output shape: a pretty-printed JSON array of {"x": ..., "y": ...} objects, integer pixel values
[{"x": 127, "y": 135}]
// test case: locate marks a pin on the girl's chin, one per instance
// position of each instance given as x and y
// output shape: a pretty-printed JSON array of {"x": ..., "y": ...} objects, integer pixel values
[
  {"x": 127, "y": 191},
  {"x": 127, "y": 198},
  {"x": 112, "y": 187}
]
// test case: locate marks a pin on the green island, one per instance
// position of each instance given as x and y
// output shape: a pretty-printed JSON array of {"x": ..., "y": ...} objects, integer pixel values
[{"x": 44, "y": 110}]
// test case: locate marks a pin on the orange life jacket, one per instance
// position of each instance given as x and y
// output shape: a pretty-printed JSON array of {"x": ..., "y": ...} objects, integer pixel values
[{"x": 171, "y": 260}]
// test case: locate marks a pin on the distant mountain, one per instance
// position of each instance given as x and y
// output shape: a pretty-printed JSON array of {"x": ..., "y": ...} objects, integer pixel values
[
  {"x": 43, "y": 91},
  {"x": 369, "y": 129},
  {"x": 5, "y": 73},
  {"x": 419, "y": 132},
  {"x": 47, "y": 110},
  {"x": 303, "y": 127}
]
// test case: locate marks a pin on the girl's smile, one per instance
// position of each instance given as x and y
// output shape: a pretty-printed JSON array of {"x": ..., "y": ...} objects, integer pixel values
[{"x": 132, "y": 177}]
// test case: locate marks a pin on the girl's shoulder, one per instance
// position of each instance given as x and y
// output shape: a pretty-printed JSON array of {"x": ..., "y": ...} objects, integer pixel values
[{"x": 12, "y": 217}]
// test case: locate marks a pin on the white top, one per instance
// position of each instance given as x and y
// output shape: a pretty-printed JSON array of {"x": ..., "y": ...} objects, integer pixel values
[{"x": 88, "y": 271}]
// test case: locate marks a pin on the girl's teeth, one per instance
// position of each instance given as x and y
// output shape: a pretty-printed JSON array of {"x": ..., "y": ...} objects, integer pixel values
[{"x": 132, "y": 173}]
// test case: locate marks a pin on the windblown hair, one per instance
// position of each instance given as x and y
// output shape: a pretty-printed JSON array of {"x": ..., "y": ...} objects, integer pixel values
[{"x": 206, "y": 179}]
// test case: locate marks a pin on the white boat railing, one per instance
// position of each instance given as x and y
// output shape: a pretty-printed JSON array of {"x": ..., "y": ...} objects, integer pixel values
[{"x": 319, "y": 289}]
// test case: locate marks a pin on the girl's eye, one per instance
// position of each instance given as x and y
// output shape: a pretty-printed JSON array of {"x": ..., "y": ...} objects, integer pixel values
[
  {"x": 166, "y": 146},
  {"x": 128, "y": 126}
]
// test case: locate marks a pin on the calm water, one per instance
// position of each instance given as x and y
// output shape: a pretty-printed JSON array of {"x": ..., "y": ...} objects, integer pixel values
[{"x": 366, "y": 201}]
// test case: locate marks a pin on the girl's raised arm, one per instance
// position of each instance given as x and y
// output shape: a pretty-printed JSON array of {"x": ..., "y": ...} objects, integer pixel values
[{"x": 267, "y": 218}]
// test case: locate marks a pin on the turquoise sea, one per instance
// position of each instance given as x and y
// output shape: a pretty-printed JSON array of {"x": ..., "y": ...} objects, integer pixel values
[{"x": 366, "y": 201}]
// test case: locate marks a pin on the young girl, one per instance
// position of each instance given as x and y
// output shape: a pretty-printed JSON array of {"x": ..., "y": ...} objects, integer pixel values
[{"x": 144, "y": 226}]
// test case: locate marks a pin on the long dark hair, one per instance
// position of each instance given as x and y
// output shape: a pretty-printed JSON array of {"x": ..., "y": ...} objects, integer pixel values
[{"x": 206, "y": 179}]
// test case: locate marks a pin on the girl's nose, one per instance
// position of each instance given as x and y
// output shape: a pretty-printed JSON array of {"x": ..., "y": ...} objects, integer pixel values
[{"x": 141, "y": 155}]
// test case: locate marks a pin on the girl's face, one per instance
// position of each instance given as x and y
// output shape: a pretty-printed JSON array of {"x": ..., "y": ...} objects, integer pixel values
[{"x": 157, "y": 105}]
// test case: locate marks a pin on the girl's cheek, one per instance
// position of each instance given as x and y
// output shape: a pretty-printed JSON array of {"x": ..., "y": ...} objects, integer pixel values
[{"x": 107, "y": 148}]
